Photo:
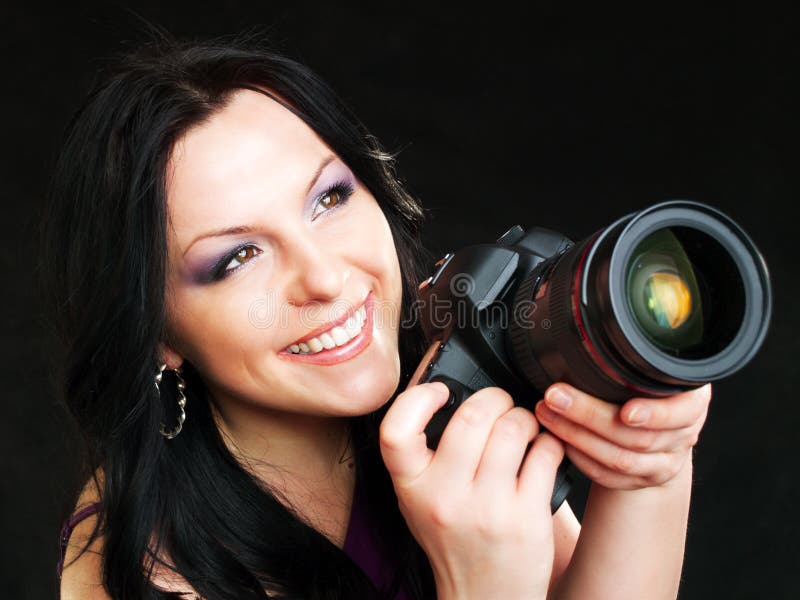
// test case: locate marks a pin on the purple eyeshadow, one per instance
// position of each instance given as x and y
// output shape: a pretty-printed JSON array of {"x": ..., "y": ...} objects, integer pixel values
[{"x": 202, "y": 271}]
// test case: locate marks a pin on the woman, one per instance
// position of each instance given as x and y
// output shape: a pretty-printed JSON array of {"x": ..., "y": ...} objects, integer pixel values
[{"x": 230, "y": 257}]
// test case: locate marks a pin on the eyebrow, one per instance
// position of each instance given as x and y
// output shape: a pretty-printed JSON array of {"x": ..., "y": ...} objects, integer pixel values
[{"x": 237, "y": 229}]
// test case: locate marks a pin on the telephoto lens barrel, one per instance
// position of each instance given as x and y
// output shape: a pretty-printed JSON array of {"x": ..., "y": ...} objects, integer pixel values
[{"x": 661, "y": 301}]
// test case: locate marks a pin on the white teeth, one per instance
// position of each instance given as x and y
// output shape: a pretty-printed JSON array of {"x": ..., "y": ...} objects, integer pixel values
[
  {"x": 336, "y": 336},
  {"x": 352, "y": 327},
  {"x": 339, "y": 336},
  {"x": 326, "y": 340}
]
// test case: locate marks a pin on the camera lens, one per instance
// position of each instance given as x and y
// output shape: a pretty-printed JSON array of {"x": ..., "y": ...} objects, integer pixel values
[
  {"x": 658, "y": 302},
  {"x": 663, "y": 293},
  {"x": 685, "y": 292}
]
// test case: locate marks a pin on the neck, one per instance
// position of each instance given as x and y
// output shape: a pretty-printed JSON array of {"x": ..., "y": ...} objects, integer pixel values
[
  {"x": 306, "y": 461},
  {"x": 292, "y": 453}
]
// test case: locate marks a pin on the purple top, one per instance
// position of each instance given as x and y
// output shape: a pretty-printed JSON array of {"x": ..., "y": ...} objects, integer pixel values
[
  {"x": 359, "y": 544},
  {"x": 66, "y": 531}
]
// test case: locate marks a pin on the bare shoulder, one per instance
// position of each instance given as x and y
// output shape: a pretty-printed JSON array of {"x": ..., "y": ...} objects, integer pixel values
[{"x": 82, "y": 576}]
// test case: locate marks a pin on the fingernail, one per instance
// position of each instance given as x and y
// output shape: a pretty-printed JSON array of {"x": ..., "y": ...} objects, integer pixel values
[
  {"x": 444, "y": 391},
  {"x": 638, "y": 415},
  {"x": 558, "y": 399}
]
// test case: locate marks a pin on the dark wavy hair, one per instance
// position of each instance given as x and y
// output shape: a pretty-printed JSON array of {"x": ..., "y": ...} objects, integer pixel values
[{"x": 103, "y": 267}]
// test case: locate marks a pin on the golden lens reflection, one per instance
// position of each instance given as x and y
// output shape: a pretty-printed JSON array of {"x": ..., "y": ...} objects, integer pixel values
[{"x": 668, "y": 299}]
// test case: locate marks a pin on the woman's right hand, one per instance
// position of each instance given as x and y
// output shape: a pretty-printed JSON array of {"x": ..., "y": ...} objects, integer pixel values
[{"x": 478, "y": 505}]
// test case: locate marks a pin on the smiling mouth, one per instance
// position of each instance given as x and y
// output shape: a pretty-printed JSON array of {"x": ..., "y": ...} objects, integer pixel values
[{"x": 333, "y": 337}]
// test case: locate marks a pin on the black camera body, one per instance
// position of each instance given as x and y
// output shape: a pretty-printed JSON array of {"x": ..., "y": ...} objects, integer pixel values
[
  {"x": 466, "y": 304},
  {"x": 659, "y": 302}
]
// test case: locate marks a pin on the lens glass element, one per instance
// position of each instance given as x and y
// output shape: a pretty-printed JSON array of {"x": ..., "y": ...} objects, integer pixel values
[
  {"x": 668, "y": 299},
  {"x": 685, "y": 292},
  {"x": 663, "y": 293}
]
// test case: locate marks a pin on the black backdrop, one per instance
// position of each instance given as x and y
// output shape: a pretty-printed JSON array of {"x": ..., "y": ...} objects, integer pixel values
[{"x": 563, "y": 120}]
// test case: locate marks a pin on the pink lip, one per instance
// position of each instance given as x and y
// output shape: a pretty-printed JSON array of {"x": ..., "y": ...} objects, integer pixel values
[{"x": 339, "y": 353}]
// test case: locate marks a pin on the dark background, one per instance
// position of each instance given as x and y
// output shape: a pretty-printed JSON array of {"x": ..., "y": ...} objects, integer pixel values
[{"x": 562, "y": 120}]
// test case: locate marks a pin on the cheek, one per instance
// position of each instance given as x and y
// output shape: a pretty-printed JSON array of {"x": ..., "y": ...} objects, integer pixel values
[
  {"x": 214, "y": 330},
  {"x": 381, "y": 254}
]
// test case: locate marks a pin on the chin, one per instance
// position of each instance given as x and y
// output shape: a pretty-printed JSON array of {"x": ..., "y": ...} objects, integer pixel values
[{"x": 367, "y": 393}]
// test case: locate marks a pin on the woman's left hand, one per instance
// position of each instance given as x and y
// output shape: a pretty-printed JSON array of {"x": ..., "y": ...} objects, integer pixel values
[{"x": 643, "y": 443}]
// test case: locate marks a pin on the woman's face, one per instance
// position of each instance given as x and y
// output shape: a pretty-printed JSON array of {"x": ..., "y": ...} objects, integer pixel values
[{"x": 317, "y": 245}]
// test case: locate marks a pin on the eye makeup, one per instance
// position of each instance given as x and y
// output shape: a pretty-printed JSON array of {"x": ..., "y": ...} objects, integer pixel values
[
  {"x": 210, "y": 270},
  {"x": 336, "y": 181},
  {"x": 219, "y": 270},
  {"x": 336, "y": 177}
]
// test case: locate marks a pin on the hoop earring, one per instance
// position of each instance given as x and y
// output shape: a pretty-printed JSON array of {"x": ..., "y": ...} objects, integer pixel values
[{"x": 181, "y": 401}]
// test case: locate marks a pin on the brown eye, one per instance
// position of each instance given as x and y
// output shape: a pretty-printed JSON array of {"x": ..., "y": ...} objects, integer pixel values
[
  {"x": 331, "y": 199},
  {"x": 245, "y": 254},
  {"x": 334, "y": 198},
  {"x": 235, "y": 260}
]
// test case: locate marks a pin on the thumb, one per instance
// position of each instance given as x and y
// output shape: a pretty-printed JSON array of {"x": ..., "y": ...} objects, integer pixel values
[{"x": 402, "y": 432}]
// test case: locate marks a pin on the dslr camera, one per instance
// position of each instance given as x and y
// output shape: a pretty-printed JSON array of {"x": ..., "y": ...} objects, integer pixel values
[{"x": 661, "y": 301}]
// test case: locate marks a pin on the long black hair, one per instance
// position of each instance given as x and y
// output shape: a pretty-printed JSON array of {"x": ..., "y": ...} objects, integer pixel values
[{"x": 104, "y": 266}]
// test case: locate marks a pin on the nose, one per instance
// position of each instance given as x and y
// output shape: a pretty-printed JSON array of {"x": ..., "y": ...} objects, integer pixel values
[{"x": 314, "y": 273}]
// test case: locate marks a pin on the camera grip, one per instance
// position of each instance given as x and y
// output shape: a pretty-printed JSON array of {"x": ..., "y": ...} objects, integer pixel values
[{"x": 437, "y": 424}]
